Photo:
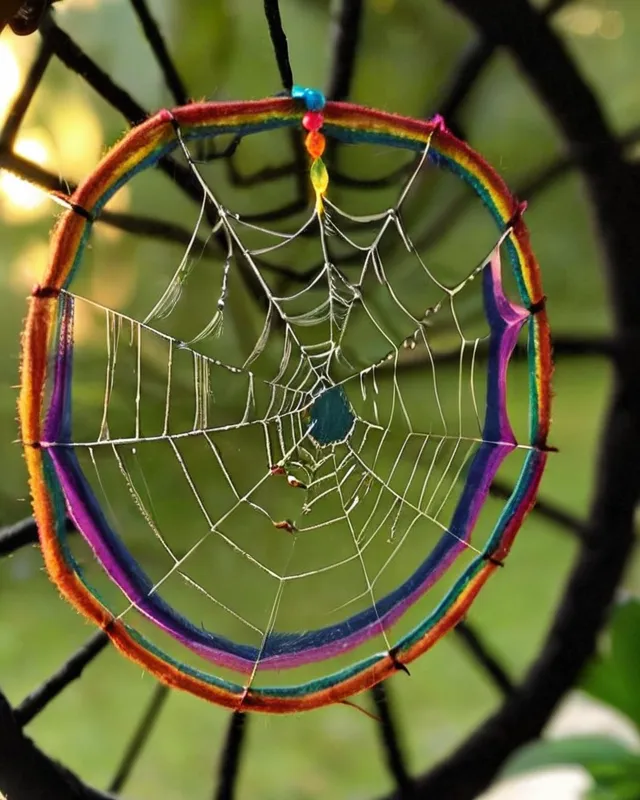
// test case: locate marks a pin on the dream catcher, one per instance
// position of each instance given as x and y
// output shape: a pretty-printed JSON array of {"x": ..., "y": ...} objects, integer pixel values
[{"x": 279, "y": 468}]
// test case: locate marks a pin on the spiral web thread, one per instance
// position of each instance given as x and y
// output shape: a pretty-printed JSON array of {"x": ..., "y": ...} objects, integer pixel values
[{"x": 339, "y": 466}]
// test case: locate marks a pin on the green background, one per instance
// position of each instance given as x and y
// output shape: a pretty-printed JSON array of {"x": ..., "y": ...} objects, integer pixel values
[{"x": 408, "y": 49}]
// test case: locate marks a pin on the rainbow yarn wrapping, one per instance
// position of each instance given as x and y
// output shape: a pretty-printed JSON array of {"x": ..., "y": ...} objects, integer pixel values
[{"x": 58, "y": 486}]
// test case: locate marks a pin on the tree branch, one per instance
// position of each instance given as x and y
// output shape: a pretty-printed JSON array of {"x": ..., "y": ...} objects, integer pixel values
[
  {"x": 614, "y": 188},
  {"x": 347, "y": 24},
  {"x": 390, "y": 736},
  {"x": 140, "y": 737},
  {"x": 27, "y": 772},
  {"x": 477, "y": 648},
  {"x": 70, "y": 671},
  {"x": 228, "y": 769},
  {"x": 152, "y": 34}
]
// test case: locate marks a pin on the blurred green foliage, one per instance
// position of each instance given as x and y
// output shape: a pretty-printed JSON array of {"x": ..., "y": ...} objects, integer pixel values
[
  {"x": 408, "y": 48},
  {"x": 611, "y": 679}
]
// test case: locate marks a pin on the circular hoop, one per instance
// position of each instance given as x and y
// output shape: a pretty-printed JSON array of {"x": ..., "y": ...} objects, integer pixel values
[{"x": 141, "y": 149}]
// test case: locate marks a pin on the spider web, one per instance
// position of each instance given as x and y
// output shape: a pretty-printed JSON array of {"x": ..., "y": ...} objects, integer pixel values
[{"x": 314, "y": 467}]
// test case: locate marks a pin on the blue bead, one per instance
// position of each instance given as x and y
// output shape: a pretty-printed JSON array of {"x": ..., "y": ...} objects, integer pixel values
[
  {"x": 314, "y": 99},
  {"x": 298, "y": 92}
]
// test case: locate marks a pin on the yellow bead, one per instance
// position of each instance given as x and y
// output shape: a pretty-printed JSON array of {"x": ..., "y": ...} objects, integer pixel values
[{"x": 319, "y": 176}]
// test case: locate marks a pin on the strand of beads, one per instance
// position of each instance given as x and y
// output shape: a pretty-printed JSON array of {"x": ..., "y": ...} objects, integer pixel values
[{"x": 314, "y": 141}]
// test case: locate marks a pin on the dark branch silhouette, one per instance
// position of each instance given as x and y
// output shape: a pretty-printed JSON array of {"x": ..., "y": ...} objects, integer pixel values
[
  {"x": 230, "y": 758},
  {"x": 468, "y": 70},
  {"x": 545, "y": 508},
  {"x": 607, "y": 538},
  {"x": 347, "y": 23},
  {"x": 21, "y": 534},
  {"x": 171, "y": 76},
  {"x": 70, "y": 671},
  {"x": 140, "y": 737},
  {"x": 479, "y": 651},
  {"x": 614, "y": 188},
  {"x": 26, "y": 773},
  {"x": 389, "y": 736},
  {"x": 21, "y": 104}
]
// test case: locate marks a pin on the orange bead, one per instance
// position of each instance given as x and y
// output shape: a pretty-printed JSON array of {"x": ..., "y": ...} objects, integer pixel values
[{"x": 315, "y": 144}]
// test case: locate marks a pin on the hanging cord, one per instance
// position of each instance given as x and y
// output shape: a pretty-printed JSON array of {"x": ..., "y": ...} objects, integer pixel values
[{"x": 279, "y": 42}]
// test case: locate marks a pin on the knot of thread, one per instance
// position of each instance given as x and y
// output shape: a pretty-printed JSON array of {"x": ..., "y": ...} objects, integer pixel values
[{"x": 315, "y": 141}]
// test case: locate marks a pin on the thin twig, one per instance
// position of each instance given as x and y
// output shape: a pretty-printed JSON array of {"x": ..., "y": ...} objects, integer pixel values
[
  {"x": 530, "y": 188},
  {"x": 228, "y": 769},
  {"x": 545, "y": 508},
  {"x": 468, "y": 70},
  {"x": 21, "y": 534},
  {"x": 347, "y": 24},
  {"x": 21, "y": 104},
  {"x": 18, "y": 535},
  {"x": 77, "y": 60},
  {"x": 152, "y": 34},
  {"x": 389, "y": 736},
  {"x": 563, "y": 347},
  {"x": 73, "y": 57},
  {"x": 481, "y": 654},
  {"x": 160, "y": 230},
  {"x": 70, "y": 671},
  {"x": 137, "y": 224},
  {"x": 140, "y": 737}
]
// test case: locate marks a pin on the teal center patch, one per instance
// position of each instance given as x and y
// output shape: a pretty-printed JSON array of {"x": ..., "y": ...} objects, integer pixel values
[{"x": 332, "y": 418}]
